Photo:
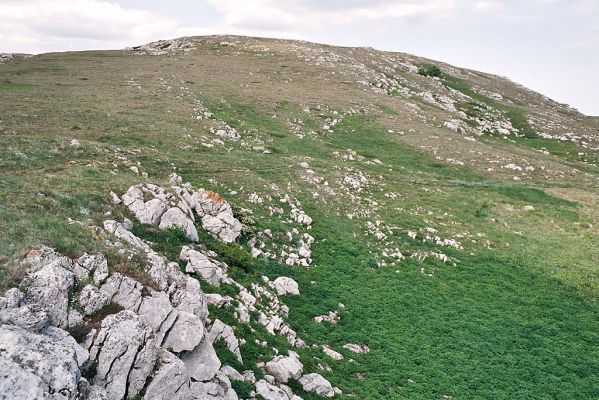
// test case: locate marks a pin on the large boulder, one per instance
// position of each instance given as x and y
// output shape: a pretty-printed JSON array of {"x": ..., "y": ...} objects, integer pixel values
[
  {"x": 171, "y": 380},
  {"x": 186, "y": 295},
  {"x": 156, "y": 312},
  {"x": 316, "y": 383},
  {"x": 125, "y": 352},
  {"x": 35, "y": 366},
  {"x": 285, "y": 368}
]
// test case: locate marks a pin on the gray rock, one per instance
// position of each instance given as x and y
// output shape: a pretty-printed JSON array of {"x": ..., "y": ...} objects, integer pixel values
[
  {"x": 92, "y": 299},
  {"x": 12, "y": 298},
  {"x": 186, "y": 295},
  {"x": 63, "y": 337},
  {"x": 210, "y": 270},
  {"x": 217, "y": 216},
  {"x": 285, "y": 368},
  {"x": 232, "y": 373},
  {"x": 175, "y": 217},
  {"x": 147, "y": 212},
  {"x": 284, "y": 285},
  {"x": 185, "y": 334},
  {"x": 51, "y": 288},
  {"x": 219, "y": 388},
  {"x": 125, "y": 351},
  {"x": 202, "y": 362},
  {"x": 156, "y": 312},
  {"x": 171, "y": 380},
  {"x": 270, "y": 392},
  {"x": 31, "y": 317},
  {"x": 316, "y": 383},
  {"x": 34, "y": 366},
  {"x": 222, "y": 331},
  {"x": 124, "y": 291}
]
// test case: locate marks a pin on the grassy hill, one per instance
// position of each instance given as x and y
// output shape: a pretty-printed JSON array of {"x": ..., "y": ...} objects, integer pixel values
[{"x": 455, "y": 213}]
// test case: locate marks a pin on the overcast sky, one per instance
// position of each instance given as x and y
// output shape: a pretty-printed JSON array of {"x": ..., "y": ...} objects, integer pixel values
[{"x": 551, "y": 46}]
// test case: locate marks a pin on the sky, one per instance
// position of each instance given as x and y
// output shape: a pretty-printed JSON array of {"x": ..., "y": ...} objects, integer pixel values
[{"x": 551, "y": 46}]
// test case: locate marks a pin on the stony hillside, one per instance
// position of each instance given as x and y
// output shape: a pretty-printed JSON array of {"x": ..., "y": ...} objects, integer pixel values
[{"x": 240, "y": 218}]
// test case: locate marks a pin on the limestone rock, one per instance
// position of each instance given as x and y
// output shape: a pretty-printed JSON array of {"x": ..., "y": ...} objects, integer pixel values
[
  {"x": 285, "y": 368},
  {"x": 31, "y": 317},
  {"x": 51, "y": 288},
  {"x": 356, "y": 348},
  {"x": 171, "y": 380},
  {"x": 210, "y": 270},
  {"x": 270, "y": 392},
  {"x": 148, "y": 212},
  {"x": 316, "y": 383},
  {"x": 185, "y": 334},
  {"x": 12, "y": 298},
  {"x": 125, "y": 351},
  {"x": 284, "y": 285},
  {"x": 186, "y": 295},
  {"x": 35, "y": 366},
  {"x": 174, "y": 217},
  {"x": 217, "y": 216},
  {"x": 124, "y": 291},
  {"x": 92, "y": 299},
  {"x": 63, "y": 337},
  {"x": 332, "y": 353},
  {"x": 202, "y": 362},
  {"x": 156, "y": 312},
  {"x": 220, "y": 330}
]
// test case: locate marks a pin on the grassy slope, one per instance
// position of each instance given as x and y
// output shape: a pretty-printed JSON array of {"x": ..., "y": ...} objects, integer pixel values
[{"x": 514, "y": 321}]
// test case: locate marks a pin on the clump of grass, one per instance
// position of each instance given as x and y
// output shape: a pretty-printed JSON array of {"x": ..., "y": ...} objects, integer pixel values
[
  {"x": 430, "y": 70},
  {"x": 167, "y": 242},
  {"x": 233, "y": 254}
]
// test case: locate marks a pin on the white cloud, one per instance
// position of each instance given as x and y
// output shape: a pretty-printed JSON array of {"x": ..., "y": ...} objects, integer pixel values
[
  {"x": 287, "y": 14},
  {"x": 42, "y": 25},
  {"x": 489, "y": 5}
]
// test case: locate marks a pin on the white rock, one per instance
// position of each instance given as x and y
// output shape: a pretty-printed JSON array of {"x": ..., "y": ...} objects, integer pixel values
[
  {"x": 285, "y": 368},
  {"x": 222, "y": 331},
  {"x": 202, "y": 362},
  {"x": 332, "y": 353},
  {"x": 185, "y": 334},
  {"x": 270, "y": 392},
  {"x": 30, "y": 316},
  {"x": 284, "y": 285},
  {"x": 51, "y": 287},
  {"x": 210, "y": 270},
  {"x": 92, "y": 299},
  {"x": 174, "y": 217},
  {"x": 35, "y": 366},
  {"x": 171, "y": 380},
  {"x": 125, "y": 351},
  {"x": 316, "y": 383}
]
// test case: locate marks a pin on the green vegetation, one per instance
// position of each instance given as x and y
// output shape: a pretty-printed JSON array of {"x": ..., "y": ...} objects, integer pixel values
[{"x": 430, "y": 70}]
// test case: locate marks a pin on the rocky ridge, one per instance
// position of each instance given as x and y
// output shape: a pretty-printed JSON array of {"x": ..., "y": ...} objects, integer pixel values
[{"x": 75, "y": 329}]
